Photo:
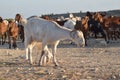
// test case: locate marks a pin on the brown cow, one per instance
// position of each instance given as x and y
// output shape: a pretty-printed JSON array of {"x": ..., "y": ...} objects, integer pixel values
[
  {"x": 13, "y": 33},
  {"x": 21, "y": 27},
  {"x": 115, "y": 24},
  {"x": 3, "y": 30},
  {"x": 83, "y": 26},
  {"x": 110, "y": 24}
]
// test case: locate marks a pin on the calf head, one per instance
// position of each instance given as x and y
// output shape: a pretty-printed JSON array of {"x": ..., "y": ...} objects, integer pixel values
[{"x": 78, "y": 38}]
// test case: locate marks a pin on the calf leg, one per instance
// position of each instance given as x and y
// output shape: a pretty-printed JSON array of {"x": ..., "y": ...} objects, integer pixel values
[
  {"x": 54, "y": 48},
  {"x": 45, "y": 56},
  {"x": 41, "y": 58}
]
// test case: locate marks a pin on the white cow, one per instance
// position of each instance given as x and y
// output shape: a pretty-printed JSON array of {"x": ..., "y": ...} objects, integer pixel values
[
  {"x": 70, "y": 24},
  {"x": 49, "y": 33}
]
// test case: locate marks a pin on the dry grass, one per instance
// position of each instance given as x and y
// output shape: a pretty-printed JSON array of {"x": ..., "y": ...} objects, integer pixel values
[{"x": 96, "y": 62}]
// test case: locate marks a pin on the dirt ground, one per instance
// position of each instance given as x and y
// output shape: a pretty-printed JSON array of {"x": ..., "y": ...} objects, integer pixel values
[{"x": 95, "y": 62}]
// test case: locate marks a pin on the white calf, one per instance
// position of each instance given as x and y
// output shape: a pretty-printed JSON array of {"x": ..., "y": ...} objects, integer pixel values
[{"x": 48, "y": 32}]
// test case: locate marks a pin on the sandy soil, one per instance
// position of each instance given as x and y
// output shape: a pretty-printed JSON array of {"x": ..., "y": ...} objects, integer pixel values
[{"x": 95, "y": 62}]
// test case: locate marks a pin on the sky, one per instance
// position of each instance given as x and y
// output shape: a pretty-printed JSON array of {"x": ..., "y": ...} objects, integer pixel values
[{"x": 9, "y": 8}]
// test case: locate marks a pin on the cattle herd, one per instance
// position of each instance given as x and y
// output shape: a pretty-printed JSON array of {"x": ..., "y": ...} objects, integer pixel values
[{"x": 51, "y": 30}]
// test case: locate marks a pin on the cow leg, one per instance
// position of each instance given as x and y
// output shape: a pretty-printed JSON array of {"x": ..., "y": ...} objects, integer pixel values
[
  {"x": 95, "y": 35},
  {"x": 22, "y": 33},
  {"x": 4, "y": 38},
  {"x": 85, "y": 40},
  {"x": 14, "y": 42},
  {"x": 9, "y": 41},
  {"x": 105, "y": 35},
  {"x": 115, "y": 34},
  {"x": 29, "y": 53},
  {"x": 29, "y": 47}
]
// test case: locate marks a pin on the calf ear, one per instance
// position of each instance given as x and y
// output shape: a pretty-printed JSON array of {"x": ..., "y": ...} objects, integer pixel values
[{"x": 72, "y": 34}]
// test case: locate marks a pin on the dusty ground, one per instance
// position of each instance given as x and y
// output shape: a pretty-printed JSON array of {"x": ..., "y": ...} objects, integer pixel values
[{"x": 95, "y": 62}]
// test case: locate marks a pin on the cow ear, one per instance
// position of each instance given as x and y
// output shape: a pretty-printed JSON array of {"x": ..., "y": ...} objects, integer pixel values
[{"x": 72, "y": 34}]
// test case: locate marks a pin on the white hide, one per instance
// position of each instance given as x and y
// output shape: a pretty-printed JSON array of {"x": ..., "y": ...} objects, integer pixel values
[{"x": 70, "y": 24}]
